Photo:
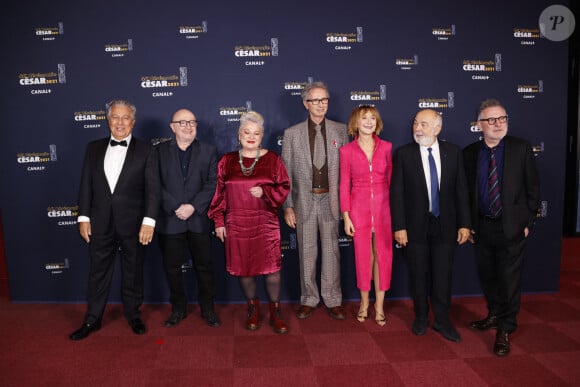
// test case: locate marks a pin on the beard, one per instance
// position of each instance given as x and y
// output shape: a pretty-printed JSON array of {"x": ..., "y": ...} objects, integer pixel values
[{"x": 425, "y": 139}]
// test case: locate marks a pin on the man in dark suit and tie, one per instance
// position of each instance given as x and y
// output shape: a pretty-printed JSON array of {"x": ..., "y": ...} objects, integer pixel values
[
  {"x": 118, "y": 204},
  {"x": 430, "y": 216},
  {"x": 188, "y": 169},
  {"x": 505, "y": 197}
]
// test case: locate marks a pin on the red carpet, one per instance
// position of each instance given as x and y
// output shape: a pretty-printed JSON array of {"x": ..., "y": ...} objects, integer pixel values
[{"x": 36, "y": 351}]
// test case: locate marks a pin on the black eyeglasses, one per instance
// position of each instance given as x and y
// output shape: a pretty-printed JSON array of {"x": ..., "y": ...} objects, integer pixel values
[
  {"x": 493, "y": 120},
  {"x": 184, "y": 123},
  {"x": 316, "y": 101}
]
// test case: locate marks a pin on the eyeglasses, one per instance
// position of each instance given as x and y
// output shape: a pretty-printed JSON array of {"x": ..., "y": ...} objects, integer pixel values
[
  {"x": 316, "y": 101},
  {"x": 493, "y": 120},
  {"x": 184, "y": 123}
]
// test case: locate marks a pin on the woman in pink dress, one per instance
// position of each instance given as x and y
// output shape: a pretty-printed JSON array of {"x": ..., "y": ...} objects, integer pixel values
[
  {"x": 252, "y": 184},
  {"x": 365, "y": 179}
]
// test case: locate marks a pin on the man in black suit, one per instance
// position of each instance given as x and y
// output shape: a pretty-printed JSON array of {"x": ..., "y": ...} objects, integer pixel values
[
  {"x": 118, "y": 204},
  {"x": 502, "y": 214},
  {"x": 188, "y": 169},
  {"x": 430, "y": 216}
]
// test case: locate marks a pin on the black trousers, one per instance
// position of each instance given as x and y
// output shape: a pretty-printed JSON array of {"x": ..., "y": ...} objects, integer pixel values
[
  {"x": 430, "y": 266},
  {"x": 173, "y": 249},
  {"x": 103, "y": 250},
  {"x": 499, "y": 266}
]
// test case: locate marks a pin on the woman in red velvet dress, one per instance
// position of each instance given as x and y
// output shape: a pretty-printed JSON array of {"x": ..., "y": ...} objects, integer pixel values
[
  {"x": 252, "y": 184},
  {"x": 365, "y": 179}
]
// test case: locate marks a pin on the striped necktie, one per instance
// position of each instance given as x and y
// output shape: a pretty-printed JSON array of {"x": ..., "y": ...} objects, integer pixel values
[{"x": 493, "y": 186}]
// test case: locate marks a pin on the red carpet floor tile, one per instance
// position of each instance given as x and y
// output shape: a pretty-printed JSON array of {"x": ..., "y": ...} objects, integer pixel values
[
  {"x": 571, "y": 329},
  {"x": 552, "y": 310},
  {"x": 270, "y": 351},
  {"x": 449, "y": 373},
  {"x": 189, "y": 377},
  {"x": 274, "y": 377},
  {"x": 542, "y": 338},
  {"x": 347, "y": 348},
  {"x": 405, "y": 346},
  {"x": 369, "y": 375},
  {"x": 195, "y": 352},
  {"x": 515, "y": 370},
  {"x": 563, "y": 364}
]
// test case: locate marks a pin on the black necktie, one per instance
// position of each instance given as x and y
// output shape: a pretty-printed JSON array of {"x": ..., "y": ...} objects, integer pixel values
[{"x": 115, "y": 143}]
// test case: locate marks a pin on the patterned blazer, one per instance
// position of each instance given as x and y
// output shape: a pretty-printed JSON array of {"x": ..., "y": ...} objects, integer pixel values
[{"x": 298, "y": 160}]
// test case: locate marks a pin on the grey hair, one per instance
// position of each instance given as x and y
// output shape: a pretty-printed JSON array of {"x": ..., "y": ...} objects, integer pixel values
[
  {"x": 490, "y": 102},
  {"x": 121, "y": 102},
  {"x": 252, "y": 116},
  {"x": 313, "y": 85}
]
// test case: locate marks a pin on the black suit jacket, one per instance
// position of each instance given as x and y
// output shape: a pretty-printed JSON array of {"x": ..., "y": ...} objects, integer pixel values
[
  {"x": 136, "y": 195},
  {"x": 196, "y": 189},
  {"x": 520, "y": 189},
  {"x": 410, "y": 199}
]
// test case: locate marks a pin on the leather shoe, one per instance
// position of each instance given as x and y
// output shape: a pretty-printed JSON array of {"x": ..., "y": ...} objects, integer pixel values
[
  {"x": 305, "y": 311},
  {"x": 85, "y": 330},
  {"x": 501, "y": 347},
  {"x": 490, "y": 322},
  {"x": 419, "y": 327},
  {"x": 336, "y": 312},
  {"x": 175, "y": 318},
  {"x": 137, "y": 326},
  {"x": 211, "y": 319},
  {"x": 447, "y": 331}
]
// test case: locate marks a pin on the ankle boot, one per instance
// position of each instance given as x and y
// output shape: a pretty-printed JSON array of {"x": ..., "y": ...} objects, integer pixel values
[
  {"x": 253, "y": 321},
  {"x": 276, "y": 321}
]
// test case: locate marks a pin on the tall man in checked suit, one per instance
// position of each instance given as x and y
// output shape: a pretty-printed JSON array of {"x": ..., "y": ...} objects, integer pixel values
[
  {"x": 313, "y": 207},
  {"x": 118, "y": 205},
  {"x": 188, "y": 169},
  {"x": 430, "y": 216},
  {"x": 502, "y": 216}
]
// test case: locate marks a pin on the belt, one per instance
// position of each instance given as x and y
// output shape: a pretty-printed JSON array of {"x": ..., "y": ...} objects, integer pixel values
[
  {"x": 490, "y": 218},
  {"x": 318, "y": 191}
]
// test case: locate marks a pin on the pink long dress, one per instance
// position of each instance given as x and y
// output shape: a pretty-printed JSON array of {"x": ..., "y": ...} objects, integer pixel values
[
  {"x": 252, "y": 225},
  {"x": 364, "y": 193}
]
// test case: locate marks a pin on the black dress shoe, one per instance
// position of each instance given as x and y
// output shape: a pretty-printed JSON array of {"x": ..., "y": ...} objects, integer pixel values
[
  {"x": 137, "y": 326},
  {"x": 211, "y": 318},
  {"x": 448, "y": 331},
  {"x": 501, "y": 347},
  {"x": 420, "y": 327},
  {"x": 84, "y": 331},
  {"x": 490, "y": 322},
  {"x": 175, "y": 318}
]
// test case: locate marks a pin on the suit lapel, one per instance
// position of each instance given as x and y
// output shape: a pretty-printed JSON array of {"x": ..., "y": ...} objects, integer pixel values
[
  {"x": 100, "y": 165},
  {"x": 307, "y": 156},
  {"x": 127, "y": 163},
  {"x": 419, "y": 166},
  {"x": 192, "y": 160},
  {"x": 444, "y": 166}
]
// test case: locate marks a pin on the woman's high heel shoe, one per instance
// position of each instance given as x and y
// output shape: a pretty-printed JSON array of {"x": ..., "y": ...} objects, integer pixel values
[
  {"x": 362, "y": 314},
  {"x": 380, "y": 318}
]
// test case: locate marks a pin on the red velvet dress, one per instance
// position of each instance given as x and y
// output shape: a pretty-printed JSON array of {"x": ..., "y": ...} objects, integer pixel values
[
  {"x": 364, "y": 193},
  {"x": 252, "y": 224}
]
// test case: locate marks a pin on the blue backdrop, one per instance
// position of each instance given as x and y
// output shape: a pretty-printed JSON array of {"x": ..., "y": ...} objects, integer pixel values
[{"x": 63, "y": 62}]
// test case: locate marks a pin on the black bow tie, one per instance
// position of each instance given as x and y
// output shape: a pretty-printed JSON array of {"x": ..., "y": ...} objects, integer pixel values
[{"x": 115, "y": 143}]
